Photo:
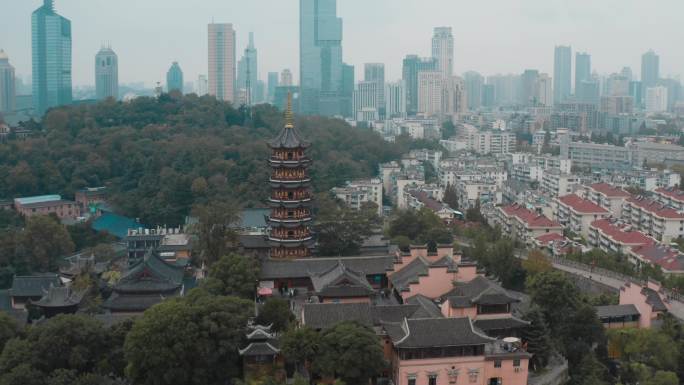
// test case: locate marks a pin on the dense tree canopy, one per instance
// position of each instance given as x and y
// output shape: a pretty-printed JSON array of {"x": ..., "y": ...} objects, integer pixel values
[
  {"x": 420, "y": 227},
  {"x": 233, "y": 274},
  {"x": 340, "y": 229}
]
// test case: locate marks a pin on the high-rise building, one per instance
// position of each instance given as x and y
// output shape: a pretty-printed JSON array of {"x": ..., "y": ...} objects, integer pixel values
[
  {"x": 375, "y": 72},
  {"x": 443, "y": 50},
  {"x": 636, "y": 92},
  {"x": 395, "y": 100},
  {"x": 528, "y": 88},
  {"x": 247, "y": 73},
  {"x": 589, "y": 91},
  {"x": 674, "y": 91},
  {"x": 656, "y": 99},
  {"x": 286, "y": 78},
  {"x": 582, "y": 70},
  {"x": 627, "y": 72},
  {"x": 347, "y": 98},
  {"x": 488, "y": 96},
  {"x": 413, "y": 65},
  {"x": 106, "y": 74},
  {"x": 617, "y": 85},
  {"x": 562, "y": 73},
  {"x": 202, "y": 85},
  {"x": 506, "y": 89},
  {"x": 320, "y": 57},
  {"x": 51, "y": 58},
  {"x": 454, "y": 97},
  {"x": 366, "y": 100},
  {"x": 221, "y": 39},
  {"x": 8, "y": 93},
  {"x": 272, "y": 84},
  {"x": 650, "y": 70},
  {"x": 544, "y": 96},
  {"x": 174, "y": 78},
  {"x": 430, "y": 84},
  {"x": 473, "y": 89}
]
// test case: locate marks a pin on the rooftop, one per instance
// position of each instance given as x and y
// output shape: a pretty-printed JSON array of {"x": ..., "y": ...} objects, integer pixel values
[
  {"x": 616, "y": 311},
  {"x": 672, "y": 193},
  {"x": 527, "y": 216},
  {"x": 340, "y": 281},
  {"x": 479, "y": 290},
  {"x": 610, "y": 191},
  {"x": 654, "y": 207},
  {"x": 581, "y": 206},
  {"x": 664, "y": 256},
  {"x": 33, "y": 285},
  {"x": 435, "y": 332},
  {"x": 622, "y": 233},
  {"x": 37, "y": 199},
  {"x": 301, "y": 268}
]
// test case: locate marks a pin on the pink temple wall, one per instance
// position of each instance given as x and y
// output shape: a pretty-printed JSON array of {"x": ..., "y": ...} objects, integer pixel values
[
  {"x": 443, "y": 366},
  {"x": 631, "y": 294},
  {"x": 437, "y": 282}
]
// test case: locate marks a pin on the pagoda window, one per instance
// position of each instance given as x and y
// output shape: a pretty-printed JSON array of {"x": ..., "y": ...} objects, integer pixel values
[
  {"x": 290, "y": 156},
  {"x": 290, "y": 195},
  {"x": 290, "y": 214},
  {"x": 290, "y": 234}
]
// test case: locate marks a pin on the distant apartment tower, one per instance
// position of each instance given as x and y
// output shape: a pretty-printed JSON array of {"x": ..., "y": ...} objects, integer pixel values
[
  {"x": 7, "y": 84},
  {"x": 375, "y": 72},
  {"x": 106, "y": 74},
  {"x": 656, "y": 99},
  {"x": 174, "y": 78},
  {"x": 347, "y": 92},
  {"x": 582, "y": 71},
  {"x": 271, "y": 86},
  {"x": 430, "y": 84},
  {"x": 247, "y": 72},
  {"x": 505, "y": 88},
  {"x": 544, "y": 94},
  {"x": 51, "y": 58},
  {"x": 395, "y": 100},
  {"x": 320, "y": 57},
  {"x": 443, "y": 50},
  {"x": 562, "y": 73},
  {"x": 454, "y": 97},
  {"x": 202, "y": 86},
  {"x": 221, "y": 39},
  {"x": 412, "y": 66},
  {"x": 528, "y": 87},
  {"x": 286, "y": 78},
  {"x": 366, "y": 101},
  {"x": 650, "y": 70},
  {"x": 473, "y": 88}
]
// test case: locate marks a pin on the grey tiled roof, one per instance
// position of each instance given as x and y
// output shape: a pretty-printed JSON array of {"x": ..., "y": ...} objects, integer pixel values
[
  {"x": 616, "y": 310},
  {"x": 288, "y": 137},
  {"x": 33, "y": 285},
  {"x": 428, "y": 308},
  {"x": 260, "y": 349},
  {"x": 479, "y": 290},
  {"x": 653, "y": 299},
  {"x": 150, "y": 275},
  {"x": 60, "y": 297},
  {"x": 409, "y": 274},
  {"x": 326, "y": 315},
  {"x": 435, "y": 332},
  {"x": 340, "y": 281},
  {"x": 487, "y": 325},
  {"x": 134, "y": 302},
  {"x": 303, "y": 268}
]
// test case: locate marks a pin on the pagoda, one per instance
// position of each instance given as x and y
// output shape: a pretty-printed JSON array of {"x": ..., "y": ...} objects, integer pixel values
[{"x": 290, "y": 218}]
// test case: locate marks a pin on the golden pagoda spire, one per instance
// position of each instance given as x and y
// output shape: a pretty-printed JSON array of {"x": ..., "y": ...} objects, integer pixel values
[{"x": 289, "y": 117}]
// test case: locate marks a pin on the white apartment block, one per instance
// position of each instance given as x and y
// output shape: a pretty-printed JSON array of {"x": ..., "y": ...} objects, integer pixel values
[
  {"x": 671, "y": 197},
  {"x": 434, "y": 157},
  {"x": 653, "y": 218},
  {"x": 360, "y": 191},
  {"x": 472, "y": 192},
  {"x": 577, "y": 214},
  {"x": 518, "y": 222},
  {"x": 557, "y": 183}
]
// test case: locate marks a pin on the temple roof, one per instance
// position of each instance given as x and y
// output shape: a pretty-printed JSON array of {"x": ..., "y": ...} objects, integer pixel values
[
  {"x": 289, "y": 136},
  {"x": 303, "y": 268},
  {"x": 435, "y": 332},
  {"x": 492, "y": 324},
  {"x": 33, "y": 285},
  {"x": 608, "y": 311},
  {"x": 60, "y": 296},
  {"x": 260, "y": 349},
  {"x": 327, "y": 315},
  {"x": 124, "y": 302},
  {"x": 150, "y": 275},
  {"x": 341, "y": 281},
  {"x": 479, "y": 291}
]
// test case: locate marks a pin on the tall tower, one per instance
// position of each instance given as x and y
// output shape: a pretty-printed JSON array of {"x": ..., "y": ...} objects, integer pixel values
[
  {"x": 221, "y": 38},
  {"x": 174, "y": 78},
  {"x": 51, "y": 58},
  {"x": 650, "y": 69},
  {"x": 7, "y": 84},
  {"x": 562, "y": 73},
  {"x": 290, "y": 219},
  {"x": 106, "y": 74},
  {"x": 582, "y": 72},
  {"x": 247, "y": 72},
  {"x": 443, "y": 50}
]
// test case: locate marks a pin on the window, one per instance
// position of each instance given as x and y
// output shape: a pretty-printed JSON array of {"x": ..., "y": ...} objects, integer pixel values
[
  {"x": 497, "y": 363},
  {"x": 412, "y": 380},
  {"x": 432, "y": 379},
  {"x": 516, "y": 362}
]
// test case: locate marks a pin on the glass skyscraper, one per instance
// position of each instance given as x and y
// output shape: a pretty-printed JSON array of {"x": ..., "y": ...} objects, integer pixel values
[
  {"x": 248, "y": 72},
  {"x": 174, "y": 78},
  {"x": 582, "y": 71},
  {"x": 411, "y": 67},
  {"x": 221, "y": 39},
  {"x": 320, "y": 60},
  {"x": 562, "y": 73},
  {"x": 7, "y": 84},
  {"x": 51, "y": 57},
  {"x": 650, "y": 71},
  {"x": 106, "y": 74}
]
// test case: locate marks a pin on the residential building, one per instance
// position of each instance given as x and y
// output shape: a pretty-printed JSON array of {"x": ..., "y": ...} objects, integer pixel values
[
  {"x": 491, "y": 142},
  {"x": 670, "y": 260},
  {"x": 357, "y": 192},
  {"x": 388, "y": 173},
  {"x": 454, "y": 98},
  {"x": 653, "y": 218},
  {"x": 656, "y": 99},
  {"x": 202, "y": 85},
  {"x": 594, "y": 155},
  {"x": 609, "y": 197},
  {"x": 8, "y": 94},
  {"x": 366, "y": 99},
  {"x": 671, "y": 197},
  {"x": 46, "y": 205},
  {"x": 473, "y": 88},
  {"x": 395, "y": 100},
  {"x": 562, "y": 73},
  {"x": 172, "y": 245},
  {"x": 375, "y": 72},
  {"x": 174, "y": 78},
  {"x": 582, "y": 71},
  {"x": 477, "y": 192},
  {"x": 286, "y": 78},
  {"x": 654, "y": 153},
  {"x": 106, "y": 74},
  {"x": 248, "y": 72},
  {"x": 443, "y": 50},
  {"x": 613, "y": 236},
  {"x": 557, "y": 183},
  {"x": 412, "y": 66},
  {"x": 617, "y": 85},
  {"x": 577, "y": 214},
  {"x": 616, "y": 105},
  {"x": 488, "y": 96},
  {"x": 528, "y": 87},
  {"x": 523, "y": 224},
  {"x": 417, "y": 199},
  {"x": 430, "y": 86},
  {"x": 51, "y": 58},
  {"x": 320, "y": 57},
  {"x": 434, "y": 157},
  {"x": 272, "y": 84},
  {"x": 544, "y": 90},
  {"x": 222, "y": 61},
  {"x": 282, "y": 93},
  {"x": 347, "y": 93},
  {"x": 650, "y": 70}
]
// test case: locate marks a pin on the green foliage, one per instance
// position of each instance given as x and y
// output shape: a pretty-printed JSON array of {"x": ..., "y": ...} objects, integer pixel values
[
  {"x": 451, "y": 197},
  {"x": 589, "y": 372},
  {"x": 42, "y": 242},
  {"x": 555, "y": 295},
  {"x": 215, "y": 229},
  {"x": 538, "y": 339},
  {"x": 84, "y": 236},
  {"x": 340, "y": 229},
  {"x": 193, "y": 340},
  {"x": 448, "y": 130},
  {"x": 233, "y": 274},
  {"x": 651, "y": 347},
  {"x": 300, "y": 345},
  {"x": 421, "y": 227},
  {"x": 276, "y": 312},
  {"x": 499, "y": 260},
  {"x": 8, "y": 329},
  {"x": 351, "y": 352}
]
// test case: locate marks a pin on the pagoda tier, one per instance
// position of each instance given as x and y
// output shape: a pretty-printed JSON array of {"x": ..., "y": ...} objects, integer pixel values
[{"x": 290, "y": 235}]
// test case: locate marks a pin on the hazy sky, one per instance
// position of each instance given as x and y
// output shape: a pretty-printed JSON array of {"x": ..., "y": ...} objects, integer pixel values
[{"x": 491, "y": 36}]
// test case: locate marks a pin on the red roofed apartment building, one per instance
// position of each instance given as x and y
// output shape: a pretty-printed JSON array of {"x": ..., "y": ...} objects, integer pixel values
[
  {"x": 576, "y": 214},
  {"x": 525, "y": 224},
  {"x": 670, "y": 260},
  {"x": 670, "y": 196},
  {"x": 609, "y": 197},
  {"x": 653, "y": 218},
  {"x": 612, "y": 236}
]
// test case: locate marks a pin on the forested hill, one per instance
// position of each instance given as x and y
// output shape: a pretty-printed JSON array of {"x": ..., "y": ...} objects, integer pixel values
[{"x": 159, "y": 157}]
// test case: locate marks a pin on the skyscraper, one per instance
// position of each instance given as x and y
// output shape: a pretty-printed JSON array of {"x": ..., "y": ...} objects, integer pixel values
[
  {"x": 174, "y": 78},
  {"x": 454, "y": 98},
  {"x": 320, "y": 57},
  {"x": 7, "y": 84},
  {"x": 106, "y": 74},
  {"x": 247, "y": 77},
  {"x": 443, "y": 50},
  {"x": 221, "y": 39},
  {"x": 656, "y": 99},
  {"x": 544, "y": 94},
  {"x": 582, "y": 70},
  {"x": 375, "y": 72},
  {"x": 286, "y": 78},
  {"x": 366, "y": 102},
  {"x": 202, "y": 85},
  {"x": 650, "y": 70},
  {"x": 430, "y": 85},
  {"x": 505, "y": 88},
  {"x": 528, "y": 88},
  {"x": 473, "y": 89},
  {"x": 562, "y": 73},
  {"x": 51, "y": 58},
  {"x": 347, "y": 93},
  {"x": 272, "y": 84},
  {"x": 395, "y": 100},
  {"x": 413, "y": 65}
]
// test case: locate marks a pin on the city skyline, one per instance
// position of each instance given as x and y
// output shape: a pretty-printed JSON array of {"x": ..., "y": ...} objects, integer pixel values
[{"x": 565, "y": 24}]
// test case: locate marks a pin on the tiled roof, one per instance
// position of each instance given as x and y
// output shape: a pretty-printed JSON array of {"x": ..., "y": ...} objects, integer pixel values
[
  {"x": 134, "y": 302},
  {"x": 428, "y": 308},
  {"x": 581, "y": 206},
  {"x": 488, "y": 325},
  {"x": 38, "y": 205},
  {"x": 530, "y": 218},
  {"x": 550, "y": 237},
  {"x": 653, "y": 299},
  {"x": 479, "y": 290},
  {"x": 618, "y": 233},
  {"x": 288, "y": 138},
  {"x": 429, "y": 202},
  {"x": 340, "y": 281},
  {"x": 616, "y": 310},
  {"x": 409, "y": 274},
  {"x": 260, "y": 349},
  {"x": 435, "y": 332},
  {"x": 60, "y": 296},
  {"x": 303, "y": 268},
  {"x": 150, "y": 275},
  {"x": 33, "y": 285},
  {"x": 664, "y": 256},
  {"x": 655, "y": 208},
  {"x": 673, "y": 193},
  {"x": 610, "y": 191},
  {"x": 326, "y": 315}
]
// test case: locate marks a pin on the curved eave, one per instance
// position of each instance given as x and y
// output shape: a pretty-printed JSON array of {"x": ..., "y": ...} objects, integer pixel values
[
  {"x": 289, "y": 183},
  {"x": 289, "y": 222},
  {"x": 290, "y": 163},
  {"x": 290, "y": 243},
  {"x": 290, "y": 204}
]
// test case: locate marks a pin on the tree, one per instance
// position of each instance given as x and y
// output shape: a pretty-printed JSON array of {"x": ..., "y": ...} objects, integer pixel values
[
  {"x": 188, "y": 341},
  {"x": 341, "y": 230},
  {"x": 536, "y": 262},
  {"x": 351, "y": 352},
  {"x": 451, "y": 197},
  {"x": 537, "y": 338},
  {"x": 300, "y": 346},
  {"x": 276, "y": 312},
  {"x": 215, "y": 229},
  {"x": 420, "y": 226},
  {"x": 43, "y": 241},
  {"x": 555, "y": 295},
  {"x": 448, "y": 129},
  {"x": 579, "y": 331},
  {"x": 662, "y": 378},
  {"x": 589, "y": 372},
  {"x": 233, "y": 274},
  {"x": 8, "y": 329}
]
